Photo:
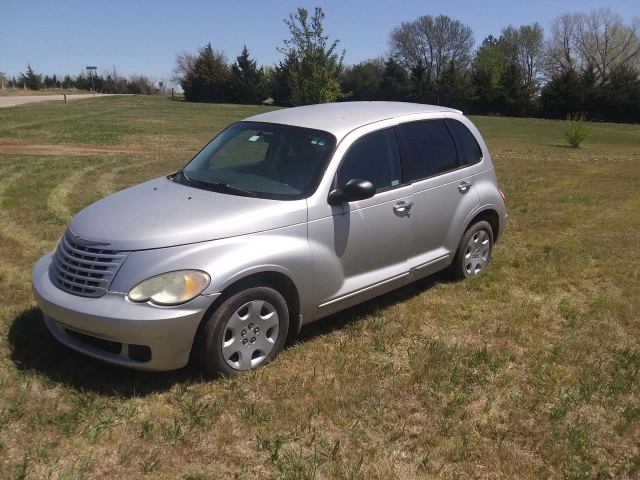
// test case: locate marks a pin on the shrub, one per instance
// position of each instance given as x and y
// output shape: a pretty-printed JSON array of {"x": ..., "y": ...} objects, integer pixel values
[{"x": 576, "y": 129}]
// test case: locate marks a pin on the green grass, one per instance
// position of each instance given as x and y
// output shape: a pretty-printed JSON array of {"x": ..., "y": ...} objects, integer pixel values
[
  {"x": 529, "y": 371},
  {"x": 154, "y": 123}
]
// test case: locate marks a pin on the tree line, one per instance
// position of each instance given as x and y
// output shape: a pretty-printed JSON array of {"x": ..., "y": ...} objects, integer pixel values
[
  {"x": 109, "y": 82},
  {"x": 589, "y": 63}
]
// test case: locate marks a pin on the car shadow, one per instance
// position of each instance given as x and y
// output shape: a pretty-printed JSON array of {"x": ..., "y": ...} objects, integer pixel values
[
  {"x": 343, "y": 318},
  {"x": 34, "y": 349}
]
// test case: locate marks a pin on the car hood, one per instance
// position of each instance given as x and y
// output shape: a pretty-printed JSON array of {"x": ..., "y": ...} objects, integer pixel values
[{"x": 162, "y": 213}]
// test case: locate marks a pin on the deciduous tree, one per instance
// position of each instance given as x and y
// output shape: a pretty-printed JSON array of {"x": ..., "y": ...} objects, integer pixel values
[
  {"x": 316, "y": 67},
  {"x": 487, "y": 68},
  {"x": 184, "y": 64},
  {"x": 437, "y": 42},
  {"x": 600, "y": 39}
]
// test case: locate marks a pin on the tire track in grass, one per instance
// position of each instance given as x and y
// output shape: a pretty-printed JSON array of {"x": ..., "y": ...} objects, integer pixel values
[
  {"x": 57, "y": 202},
  {"x": 8, "y": 228},
  {"x": 106, "y": 184}
]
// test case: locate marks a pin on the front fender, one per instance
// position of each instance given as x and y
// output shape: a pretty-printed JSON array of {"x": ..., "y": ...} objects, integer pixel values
[{"x": 284, "y": 250}]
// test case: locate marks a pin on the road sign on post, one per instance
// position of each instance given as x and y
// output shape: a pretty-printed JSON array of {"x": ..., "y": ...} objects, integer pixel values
[{"x": 92, "y": 69}]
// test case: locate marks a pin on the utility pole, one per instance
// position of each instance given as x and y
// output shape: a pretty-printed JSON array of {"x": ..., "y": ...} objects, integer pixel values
[{"x": 93, "y": 89}]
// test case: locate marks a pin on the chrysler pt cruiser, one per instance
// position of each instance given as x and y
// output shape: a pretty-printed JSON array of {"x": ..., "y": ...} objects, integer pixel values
[{"x": 282, "y": 219}]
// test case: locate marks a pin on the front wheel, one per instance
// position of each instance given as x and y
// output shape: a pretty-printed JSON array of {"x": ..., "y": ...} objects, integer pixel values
[
  {"x": 474, "y": 251},
  {"x": 248, "y": 330}
]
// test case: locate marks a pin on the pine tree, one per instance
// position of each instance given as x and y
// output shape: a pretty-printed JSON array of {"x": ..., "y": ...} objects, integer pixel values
[
  {"x": 362, "y": 82},
  {"x": 247, "y": 80},
  {"x": 210, "y": 78},
  {"x": 421, "y": 84},
  {"x": 31, "y": 79},
  {"x": 280, "y": 88},
  {"x": 562, "y": 95},
  {"x": 513, "y": 95},
  {"x": 395, "y": 83},
  {"x": 455, "y": 88},
  {"x": 622, "y": 94},
  {"x": 592, "y": 100}
]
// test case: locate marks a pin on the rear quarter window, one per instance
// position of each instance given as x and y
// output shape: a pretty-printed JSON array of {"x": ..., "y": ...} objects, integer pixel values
[
  {"x": 431, "y": 148},
  {"x": 467, "y": 141}
]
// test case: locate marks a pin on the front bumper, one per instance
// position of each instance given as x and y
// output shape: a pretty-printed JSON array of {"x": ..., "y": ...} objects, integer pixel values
[{"x": 167, "y": 331}]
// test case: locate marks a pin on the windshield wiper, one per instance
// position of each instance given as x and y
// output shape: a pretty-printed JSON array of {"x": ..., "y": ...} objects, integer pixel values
[
  {"x": 184, "y": 175},
  {"x": 231, "y": 188}
]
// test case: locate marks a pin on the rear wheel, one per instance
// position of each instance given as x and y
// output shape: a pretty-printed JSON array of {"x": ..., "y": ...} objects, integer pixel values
[
  {"x": 248, "y": 330},
  {"x": 474, "y": 251}
]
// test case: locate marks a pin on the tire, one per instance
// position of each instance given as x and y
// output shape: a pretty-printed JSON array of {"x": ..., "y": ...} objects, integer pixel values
[
  {"x": 474, "y": 251},
  {"x": 229, "y": 346}
]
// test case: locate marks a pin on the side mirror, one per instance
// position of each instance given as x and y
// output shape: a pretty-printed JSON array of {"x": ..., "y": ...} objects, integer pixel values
[{"x": 355, "y": 189}]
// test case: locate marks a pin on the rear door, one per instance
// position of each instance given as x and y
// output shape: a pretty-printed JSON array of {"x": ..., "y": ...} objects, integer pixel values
[{"x": 443, "y": 192}]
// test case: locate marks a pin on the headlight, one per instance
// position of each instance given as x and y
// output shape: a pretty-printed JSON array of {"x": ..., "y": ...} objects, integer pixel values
[{"x": 170, "y": 288}]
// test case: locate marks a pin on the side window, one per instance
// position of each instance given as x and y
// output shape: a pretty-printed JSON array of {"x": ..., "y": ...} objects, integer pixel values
[
  {"x": 374, "y": 158},
  {"x": 432, "y": 150},
  {"x": 469, "y": 144}
]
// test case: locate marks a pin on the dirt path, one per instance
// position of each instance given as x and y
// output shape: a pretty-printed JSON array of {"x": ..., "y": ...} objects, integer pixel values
[
  {"x": 70, "y": 149},
  {"x": 12, "y": 101}
]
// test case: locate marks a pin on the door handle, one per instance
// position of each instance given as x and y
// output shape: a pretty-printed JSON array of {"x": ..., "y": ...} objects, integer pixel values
[
  {"x": 403, "y": 205},
  {"x": 465, "y": 185}
]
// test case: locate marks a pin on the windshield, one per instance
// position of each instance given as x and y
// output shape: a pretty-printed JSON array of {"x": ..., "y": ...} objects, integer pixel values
[{"x": 261, "y": 160}]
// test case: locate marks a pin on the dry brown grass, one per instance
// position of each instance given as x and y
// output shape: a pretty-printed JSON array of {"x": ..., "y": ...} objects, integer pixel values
[{"x": 530, "y": 371}]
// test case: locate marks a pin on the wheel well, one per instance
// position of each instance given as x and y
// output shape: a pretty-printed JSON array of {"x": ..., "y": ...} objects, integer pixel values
[
  {"x": 492, "y": 218},
  {"x": 276, "y": 280}
]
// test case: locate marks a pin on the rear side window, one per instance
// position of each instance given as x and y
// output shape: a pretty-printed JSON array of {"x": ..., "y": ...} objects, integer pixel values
[
  {"x": 469, "y": 144},
  {"x": 374, "y": 158},
  {"x": 431, "y": 148}
]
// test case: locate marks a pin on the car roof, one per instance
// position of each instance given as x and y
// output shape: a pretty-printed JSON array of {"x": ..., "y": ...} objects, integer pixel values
[{"x": 341, "y": 118}]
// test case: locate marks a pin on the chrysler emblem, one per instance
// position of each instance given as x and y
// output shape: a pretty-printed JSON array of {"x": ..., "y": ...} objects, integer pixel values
[{"x": 83, "y": 241}]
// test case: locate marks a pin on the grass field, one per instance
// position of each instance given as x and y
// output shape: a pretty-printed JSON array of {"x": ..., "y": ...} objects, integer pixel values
[{"x": 529, "y": 371}]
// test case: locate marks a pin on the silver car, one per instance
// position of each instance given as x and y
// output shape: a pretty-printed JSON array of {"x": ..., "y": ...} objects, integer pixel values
[{"x": 282, "y": 219}]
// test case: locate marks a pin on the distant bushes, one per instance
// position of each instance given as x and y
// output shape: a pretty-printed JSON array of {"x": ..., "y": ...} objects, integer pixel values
[{"x": 105, "y": 83}]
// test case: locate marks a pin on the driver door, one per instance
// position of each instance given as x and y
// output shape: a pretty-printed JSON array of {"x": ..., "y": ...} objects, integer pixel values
[{"x": 360, "y": 250}]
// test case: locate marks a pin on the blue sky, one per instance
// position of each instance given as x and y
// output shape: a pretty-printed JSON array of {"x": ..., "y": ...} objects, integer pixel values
[{"x": 144, "y": 36}]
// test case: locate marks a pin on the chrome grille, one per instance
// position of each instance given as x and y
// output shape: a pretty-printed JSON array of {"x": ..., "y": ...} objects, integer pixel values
[{"x": 84, "y": 270}]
